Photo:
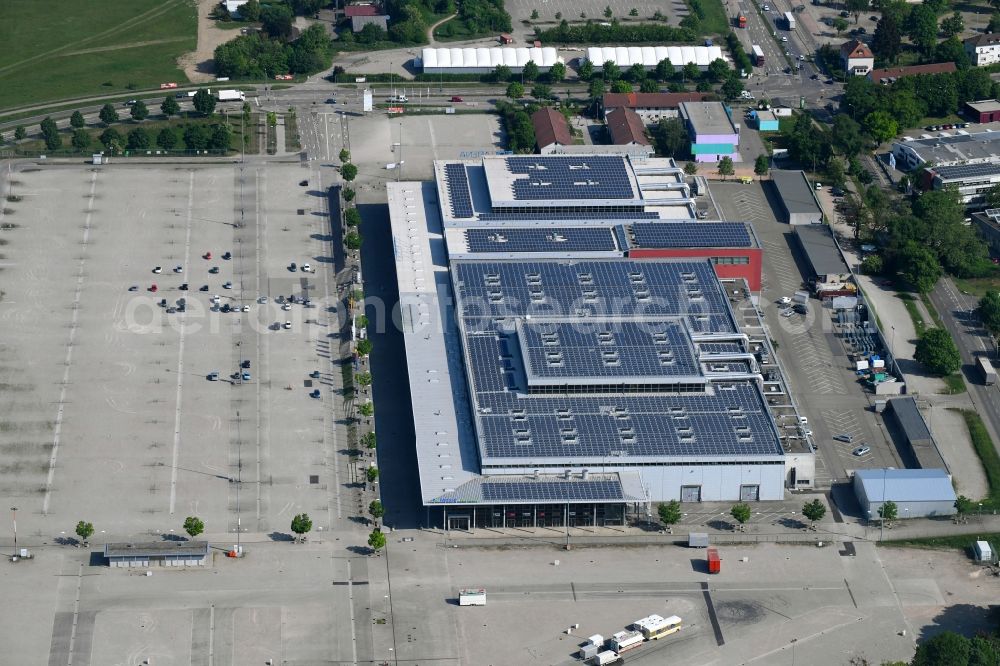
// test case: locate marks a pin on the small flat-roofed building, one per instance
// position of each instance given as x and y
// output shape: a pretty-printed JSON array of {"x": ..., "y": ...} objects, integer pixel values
[
  {"x": 917, "y": 493},
  {"x": 798, "y": 201},
  {"x": 824, "y": 257},
  {"x": 626, "y": 128},
  {"x": 713, "y": 133},
  {"x": 551, "y": 130},
  {"x": 157, "y": 553},
  {"x": 906, "y": 422},
  {"x": 984, "y": 110},
  {"x": 766, "y": 120}
]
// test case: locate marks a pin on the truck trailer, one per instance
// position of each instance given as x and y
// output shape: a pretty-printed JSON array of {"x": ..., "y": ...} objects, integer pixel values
[
  {"x": 986, "y": 370},
  {"x": 472, "y": 597},
  {"x": 625, "y": 640},
  {"x": 758, "y": 55},
  {"x": 714, "y": 563},
  {"x": 790, "y": 20},
  {"x": 231, "y": 96}
]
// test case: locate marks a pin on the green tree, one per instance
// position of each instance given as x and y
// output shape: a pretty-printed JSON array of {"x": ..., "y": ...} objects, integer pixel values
[
  {"x": 112, "y": 140},
  {"x": 84, "y": 530},
  {"x": 51, "y": 134},
  {"x": 731, "y": 87},
  {"x": 167, "y": 139},
  {"x": 726, "y": 167},
  {"x": 170, "y": 107},
  {"x": 371, "y": 474},
  {"x": 636, "y": 73},
  {"x": 607, "y": 12},
  {"x": 936, "y": 351},
  {"x": 671, "y": 138},
  {"x": 881, "y": 126},
  {"x": 964, "y": 506},
  {"x": 944, "y": 649},
  {"x": 840, "y": 25},
  {"x": 352, "y": 241},
  {"x": 81, "y": 140},
  {"x": 611, "y": 71},
  {"x": 204, "y": 102},
  {"x": 352, "y": 217},
  {"x": 376, "y": 540},
  {"x": 922, "y": 27},
  {"x": 530, "y": 71},
  {"x": 761, "y": 165},
  {"x": 193, "y": 526},
  {"x": 691, "y": 168},
  {"x": 994, "y": 25},
  {"x": 302, "y": 524},
  {"x": 197, "y": 137},
  {"x": 621, "y": 86},
  {"x": 364, "y": 379},
  {"x": 220, "y": 136},
  {"x": 919, "y": 266},
  {"x": 953, "y": 25},
  {"x": 368, "y": 439},
  {"x": 557, "y": 72},
  {"x": 952, "y": 50},
  {"x": 367, "y": 410},
  {"x": 741, "y": 512},
  {"x": 586, "y": 70},
  {"x": 835, "y": 172},
  {"x": 814, "y": 510},
  {"x": 534, "y": 14},
  {"x": 364, "y": 347},
  {"x": 649, "y": 86},
  {"x": 691, "y": 71},
  {"x": 541, "y": 91},
  {"x": 596, "y": 89},
  {"x": 376, "y": 509},
  {"x": 670, "y": 512},
  {"x": 989, "y": 311},
  {"x": 139, "y": 111},
  {"x": 501, "y": 73},
  {"x": 856, "y": 7},
  {"x": 873, "y": 264},
  {"x": 633, "y": 12},
  {"x": 888, "y": 511},
  {"x": 371, "y": 33},
  {"x": 20, "y": 133},
  {"x": 250, "y": 11},
  {"x": 344, "y": 156},
  {"x": 846, "y": 135},
  {"x": 276, "y": 20},
  {"x": 718, "y": 70},
  {"x": 108, "y": 114},
  {"x": 76, "y": 120},
  {"x": 348, "y": 194},
  {"x": 348, "y": 172},
  {"x": 664, "y": 70},
  {"x": 887, "y": 41},
  {"x": 138, "y": 139}
]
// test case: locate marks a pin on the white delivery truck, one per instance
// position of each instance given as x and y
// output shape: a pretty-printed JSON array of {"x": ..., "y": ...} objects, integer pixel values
[
  {"x": 231, "y": 96},
  {"x": 604, "y": 658},
  {"x": 472, "y": 597}
]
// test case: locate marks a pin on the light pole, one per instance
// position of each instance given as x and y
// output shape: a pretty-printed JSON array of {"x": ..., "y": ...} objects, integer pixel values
[{"x": 13, "y": 511}]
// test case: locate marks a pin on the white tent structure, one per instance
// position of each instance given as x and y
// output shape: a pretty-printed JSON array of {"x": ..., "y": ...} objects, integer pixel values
[
  {"x": 483, "y": 60},
  {"x": 650, "y": 56}
]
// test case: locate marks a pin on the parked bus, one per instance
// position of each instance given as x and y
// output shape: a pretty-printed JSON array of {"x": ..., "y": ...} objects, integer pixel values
[
  {"x": 758, "y": 55},
  {"x": 654, "y": 626}
]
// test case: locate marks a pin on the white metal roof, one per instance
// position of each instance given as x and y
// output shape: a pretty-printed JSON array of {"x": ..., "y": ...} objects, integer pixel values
[
  {"x": 488, "y": 57},
  {"x": 907, "y": 485},
  {"x": 650, "y": 56}
]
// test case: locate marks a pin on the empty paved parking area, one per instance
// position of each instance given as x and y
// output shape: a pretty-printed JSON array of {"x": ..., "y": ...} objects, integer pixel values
[{"x": 107, "y": 414}]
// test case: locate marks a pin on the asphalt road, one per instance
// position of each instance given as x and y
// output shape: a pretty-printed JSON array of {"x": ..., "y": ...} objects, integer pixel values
[{"x": 958, "y": 313}]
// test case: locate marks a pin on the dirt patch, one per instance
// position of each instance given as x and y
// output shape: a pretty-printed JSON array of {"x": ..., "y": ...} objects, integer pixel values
[{"x": 198, "y": 65}]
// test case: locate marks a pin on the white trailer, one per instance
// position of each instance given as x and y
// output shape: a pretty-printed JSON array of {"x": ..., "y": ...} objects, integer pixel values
[
  {"x": 625, "y": 640},
  {"x": 790, "y": 20},
  {"x": 606, "y": 657},
  {"x": 472, "y": 597},
  {"x": 231, "y": 96},
  {"x": 983, "y": 551}
]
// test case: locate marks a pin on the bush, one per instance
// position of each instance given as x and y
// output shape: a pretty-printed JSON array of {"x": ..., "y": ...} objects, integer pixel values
[{"x": 936, "y": 351}]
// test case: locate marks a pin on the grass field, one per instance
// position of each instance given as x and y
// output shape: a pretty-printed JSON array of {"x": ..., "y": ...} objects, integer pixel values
[
  {"x": 961, "y": 542},
  {"x": 987, "y": 453},
  {"x": 62, "y": 49}
]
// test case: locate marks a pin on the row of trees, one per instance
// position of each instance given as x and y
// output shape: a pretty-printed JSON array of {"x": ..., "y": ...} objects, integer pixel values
[
  {"x": 616, "y": 33},
  {"x": 670, "y": 512},
  {"x": 921, "y": 25},
  {"x": 263, "y": 55}
]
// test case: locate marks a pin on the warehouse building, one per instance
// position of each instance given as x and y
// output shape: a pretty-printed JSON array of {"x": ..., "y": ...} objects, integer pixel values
[
  {"x": 484, "y": 60},
  {"x": 958, "y": 149},
  {"x": 971, "y": 181},
  {"x": 917, "y": 493},
  {"x": 712, "y": 132},
  {"x": 907, "y": 425},
  {"x": 157, "y": 553},
  {"x": 560, "y": 379},
  {"x": 650, "y": 56},
  {"x": 798, "y": 200},
  {"x": 984, "y": 110}
]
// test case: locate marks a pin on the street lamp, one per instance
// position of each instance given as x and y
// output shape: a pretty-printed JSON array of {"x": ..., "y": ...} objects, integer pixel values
[{"x": 13, "y": 510}]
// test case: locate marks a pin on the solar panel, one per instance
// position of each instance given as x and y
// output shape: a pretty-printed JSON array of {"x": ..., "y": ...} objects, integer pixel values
[
  {"x": 553, "y": 239},
  {"x": 552, "y": 491},
  {"x": 459, "y": 194},
  {"x": 694, "y": 234},
  {"x": 967, "y": 170},
  {"x": 570, "y": 177},
  {"x": 538, "y": 214}
]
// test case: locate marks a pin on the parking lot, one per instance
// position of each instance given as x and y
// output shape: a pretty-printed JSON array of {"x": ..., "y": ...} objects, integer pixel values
[
  {"x": 108, "y": 413},
  {"x": 813, "y": 358}
]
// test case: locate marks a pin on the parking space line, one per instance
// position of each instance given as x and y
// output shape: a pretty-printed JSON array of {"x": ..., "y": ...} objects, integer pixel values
[
  {"x": 180, "y": 351},
  {"x": 68, "y": 362}
]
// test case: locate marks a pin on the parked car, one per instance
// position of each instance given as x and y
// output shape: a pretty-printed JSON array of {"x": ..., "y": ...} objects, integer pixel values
[
  {"x": 862, "y": 450},
  {"x": 784, "y": 300},
  {"x": 844, "y": 437},
  {"x": 456, "y": 98}
]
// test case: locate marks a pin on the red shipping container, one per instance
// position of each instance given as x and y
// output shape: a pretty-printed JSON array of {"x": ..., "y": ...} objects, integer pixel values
[{"x": 714, "y": 563}]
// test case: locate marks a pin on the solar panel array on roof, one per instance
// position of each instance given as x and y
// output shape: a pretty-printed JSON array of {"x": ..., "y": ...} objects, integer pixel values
[
  {"x": 499, "y": 216},
  {"x": 695, "y": 234},
  {"x": 552, "y": 491},
  {"x": 563, "y": 177},
  {"x": 595, "y": 349},
  {"x": 967, "y": 170},
  {"x": 552, "y": 239},
  {"x": 458, "y": 190},
  {"x": 616, "y": 422}
]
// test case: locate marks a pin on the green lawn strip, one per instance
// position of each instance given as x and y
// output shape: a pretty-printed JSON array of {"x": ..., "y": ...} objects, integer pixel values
[
  {"x": 72, "y": 51},
  {"x": 911, "y": 307},
  {"x": 715, "y": 20},
  {"x": 291, "y": 133},
  {"x": 954, "y": 384},
  {"x": 978, "y": 286},
  {"x": 926, "y": 300},
  {"x": 958, "y": 542}
]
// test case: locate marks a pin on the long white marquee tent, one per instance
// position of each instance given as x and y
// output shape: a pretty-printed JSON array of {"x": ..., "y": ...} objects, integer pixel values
[
  {"x": 482, "y": 60},
  {"x": 650, "y": 56}
]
